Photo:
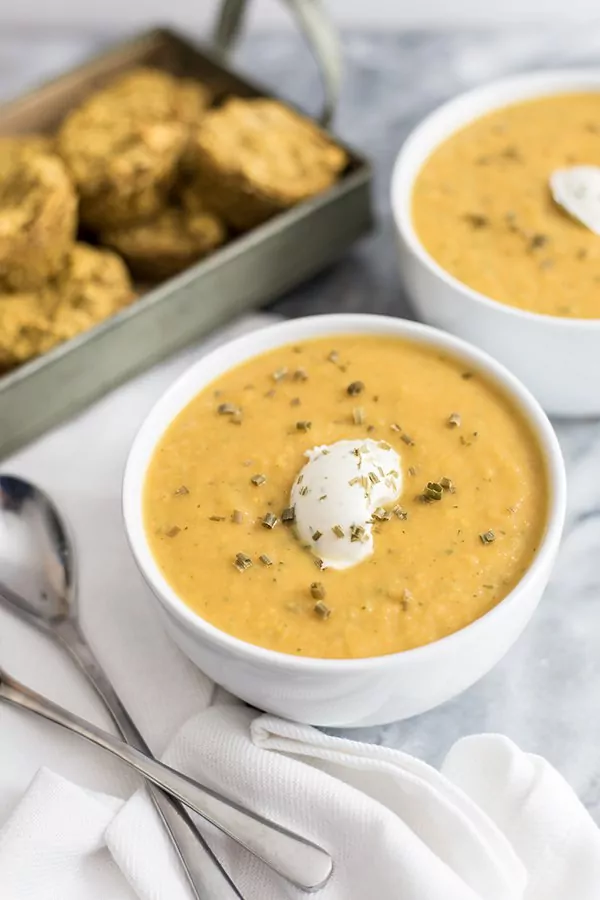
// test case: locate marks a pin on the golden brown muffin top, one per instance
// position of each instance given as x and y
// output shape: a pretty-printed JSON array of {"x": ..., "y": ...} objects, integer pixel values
[
  {"x": 136, "y": 125},
  {"x": 29, "y": 180},
  {"x": 95, "y": 282},
  {"x": 272, "y": 149},
  {"x": 173, "y": 232}
]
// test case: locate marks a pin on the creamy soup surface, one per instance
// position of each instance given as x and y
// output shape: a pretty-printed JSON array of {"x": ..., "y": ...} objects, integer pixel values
[
  {"x": 437, "y": 564},
  {"x": 483, "y": 209}
]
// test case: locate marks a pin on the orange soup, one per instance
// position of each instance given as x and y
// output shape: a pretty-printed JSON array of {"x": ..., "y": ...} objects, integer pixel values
[
  {"x": 457, "y": 539},
  {"x": 483, "y": 209}
]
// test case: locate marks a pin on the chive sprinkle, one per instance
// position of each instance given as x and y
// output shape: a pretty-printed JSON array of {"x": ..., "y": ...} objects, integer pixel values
[
  {"x": 237, "y": 516},
  {"x": 217, "y": 518},
  {"x": 280, "y": 373},
  {"x": 381, "y": 514},
  {"x": 228, "y": 409},
  {"x": 358, "y": 415},
  {"x": 258, "y": 479},
  {"x": 357, "y": 533},
  {"x": 487, "y": 537},
  {"x": 355, "y": 388},
  {"x": 322, "y": 610},
  {"x": 374, "y": 478},
  {"x": 265, "y": 560},
  {"x": 338, "y": 531},
  {"x": 270, "y": 520},
  {"x": 433, "y": 491},
  {"x": 395, "y": 427},
  {"x": 303, "y": 425},
  {"x": 242, "y": 562},
  {"x": 400, "y": 512},
  {"x": 317, "y": 589},
  {"x": 181, "y": 491},
  {"x": 300, "y": 375},
  {"x": 454, "y": 420},
  {"x": 448, "y": 485},
  {"x": 317, "y": 535},
  {"x": 407, "y": 440},
  {"x": 288, "y": 515}
]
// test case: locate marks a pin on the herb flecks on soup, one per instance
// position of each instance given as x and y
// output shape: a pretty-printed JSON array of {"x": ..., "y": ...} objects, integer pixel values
[
  {"x": 483, "y": 207},
  {"x": 449, "y": 536}
]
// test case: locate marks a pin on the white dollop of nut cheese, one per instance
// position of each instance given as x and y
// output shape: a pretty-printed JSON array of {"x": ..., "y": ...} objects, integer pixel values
[
  {"x": 336, "y": 494},
  {"x": 577, "y": 190}
]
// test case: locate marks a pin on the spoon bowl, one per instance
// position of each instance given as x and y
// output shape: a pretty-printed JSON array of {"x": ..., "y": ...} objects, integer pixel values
[{"x": 37, "y": 568}]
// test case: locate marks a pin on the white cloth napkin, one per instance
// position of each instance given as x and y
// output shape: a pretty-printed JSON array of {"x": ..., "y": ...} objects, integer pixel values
[{"x": 495, "y": 824}]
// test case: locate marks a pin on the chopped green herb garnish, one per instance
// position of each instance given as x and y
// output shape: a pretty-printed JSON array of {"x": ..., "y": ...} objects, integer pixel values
[
  {"x": 357, "y": 533},
  {"x": 181, "y": 491},
  {"x": 454, "y": 420},
  {"x": 280, "y": 373},
  {"x": 228, "y": 409},
  {"x": 300, "y": 375},
  {"x": 433, "y": 491},
  {"x": 355, "y": 388},
  {"x": 217, "y": 518},
  {"x": 303, "y": 426},
  {"x": 448, "y": 485},
  {"x": 322, "y": 610},
  {"x": 270, "y": 520},
  {"x": 381, "y": 514},
  {"x": 487, "y": 537},
  {"x": 242, "y": 562},
  {"x": 400, "y": 512},
  {"x": 258, "y": 479},
  {"x": 338, "y": 531},
  {"x": 358, "y": 415},
  {"x": 288, "y": 515},
  {"x": 265, "y": 560},
  {"x": 317, "y": 590},
  {"x": 237, "y": 516},
  {"x": 316, "y": 535},
  {"x": 407, "y": 440}
]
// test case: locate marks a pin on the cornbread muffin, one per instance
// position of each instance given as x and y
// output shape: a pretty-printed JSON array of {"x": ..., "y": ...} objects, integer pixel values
[
  {"x": 23, "y": 328},
  {"x": 93, "y": 285},
  {"x": 167, "y": 243},
  {"x": 124, "y": 144},
  {"x": 252, "y": 158},
  {"x": 38, "y": 216},
  {"x": 11, "y": 144}
]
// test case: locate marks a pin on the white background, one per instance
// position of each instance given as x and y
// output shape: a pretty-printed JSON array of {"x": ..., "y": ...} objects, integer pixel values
[{"x": 197, "y": 14}]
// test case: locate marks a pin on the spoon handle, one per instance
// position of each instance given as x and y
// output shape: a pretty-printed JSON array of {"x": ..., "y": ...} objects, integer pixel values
[
  {"x": 301, "y": 862},
  {"x": 206, "y": 881}
]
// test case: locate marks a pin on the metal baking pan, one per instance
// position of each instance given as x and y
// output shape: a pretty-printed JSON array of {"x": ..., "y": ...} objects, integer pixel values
[{"x": 248, "y": 272}]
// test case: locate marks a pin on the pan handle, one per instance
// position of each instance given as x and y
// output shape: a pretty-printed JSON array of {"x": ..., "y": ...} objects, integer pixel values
[{"x": 318, "y": 30}]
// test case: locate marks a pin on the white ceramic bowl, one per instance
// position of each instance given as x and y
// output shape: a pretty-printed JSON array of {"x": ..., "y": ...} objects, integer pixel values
[
  {"x": 558, "y": 359},
  {"x": 349, "y": 692}
]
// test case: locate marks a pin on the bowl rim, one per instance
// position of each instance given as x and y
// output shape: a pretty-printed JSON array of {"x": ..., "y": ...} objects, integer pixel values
[
  {"x": 527, "y": 85},
  {"x": 197, "y": 378}
]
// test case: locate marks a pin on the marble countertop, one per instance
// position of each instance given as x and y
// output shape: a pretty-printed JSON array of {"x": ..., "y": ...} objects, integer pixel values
[{"x": 545, "y": 694}]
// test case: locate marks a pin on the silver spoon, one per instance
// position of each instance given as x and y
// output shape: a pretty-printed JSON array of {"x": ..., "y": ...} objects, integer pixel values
[{"x": 37, "y": 581}]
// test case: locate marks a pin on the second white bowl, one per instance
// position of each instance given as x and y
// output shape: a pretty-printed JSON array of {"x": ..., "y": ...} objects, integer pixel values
[{"x": 558, "y": 359}]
